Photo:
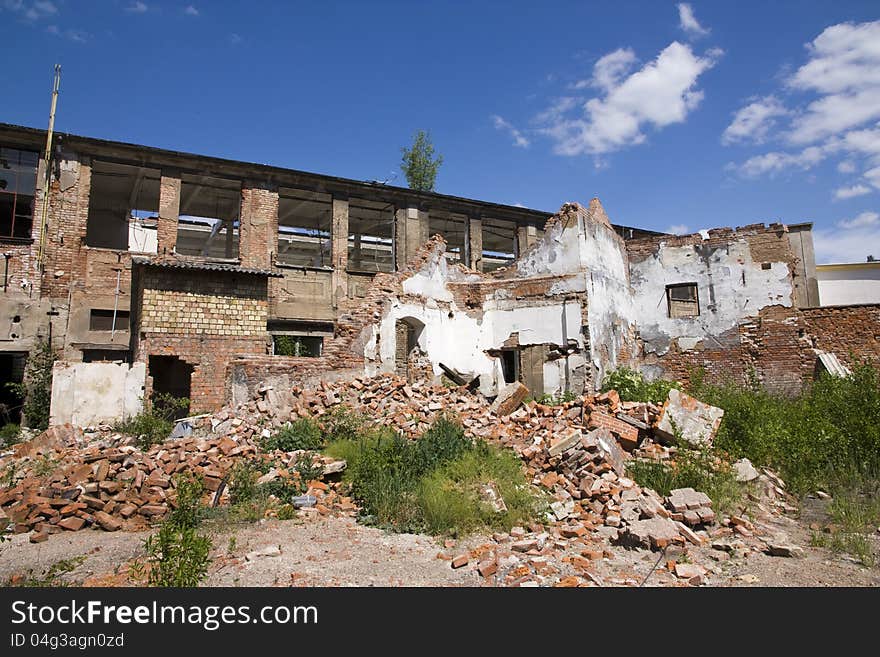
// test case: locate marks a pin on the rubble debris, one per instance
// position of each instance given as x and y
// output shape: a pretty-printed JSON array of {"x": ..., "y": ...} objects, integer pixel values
[
  {"x": 509, "y": 398},
  {"x": 687, "y": 419},
  {"x": 744, "y": 471},
  {"x": 690, "y": 507}
]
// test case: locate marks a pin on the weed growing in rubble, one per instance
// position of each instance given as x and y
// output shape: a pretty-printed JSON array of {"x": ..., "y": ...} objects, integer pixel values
[
  {"x": 453, "y": 502},
  {"x": 9, "y": 434},
  {"x": 342, "y": 423},
  {"x": 155, "y": 423},
  {"x": 700, "y": 469},
  {"x": 855, "y": 510},
  {"x": 633, "y": 386},
  {"x": 53, "y": 576},
  {"x": 434, "y": 483},
  {"x": 553, "y": 400},
  {"x": 177, "y": 555},
  {"x": 303, "y": 433},
  {"x": 824, "y": 438}
]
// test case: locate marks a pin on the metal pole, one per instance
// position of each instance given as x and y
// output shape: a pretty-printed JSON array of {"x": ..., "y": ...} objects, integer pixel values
[{"x": 47, "y": 164}]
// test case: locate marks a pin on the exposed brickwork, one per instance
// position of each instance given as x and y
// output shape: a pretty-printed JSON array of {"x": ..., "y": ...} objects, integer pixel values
[
  {"x": 169, "y": 209},
  {"x": 204, "y": 303},
  {"x": 205, "y": 318},
  {"x": 258, "y": 233},
  {"x": 68, "y": 216},
  {"x": 849, "y": 332}
]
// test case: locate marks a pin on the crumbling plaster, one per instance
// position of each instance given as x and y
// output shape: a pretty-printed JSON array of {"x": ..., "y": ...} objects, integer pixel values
[{"x": 730, "y": 286}]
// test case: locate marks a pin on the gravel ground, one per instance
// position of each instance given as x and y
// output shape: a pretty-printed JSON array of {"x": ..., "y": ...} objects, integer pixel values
[{"x": 340, "y": 552}]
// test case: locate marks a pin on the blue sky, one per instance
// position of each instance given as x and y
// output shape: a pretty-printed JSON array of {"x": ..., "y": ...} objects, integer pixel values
[{"x": 677, "y": 116}]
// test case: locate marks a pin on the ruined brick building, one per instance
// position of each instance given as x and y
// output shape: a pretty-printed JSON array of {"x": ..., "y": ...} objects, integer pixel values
[{"x": 202, "y": 277}]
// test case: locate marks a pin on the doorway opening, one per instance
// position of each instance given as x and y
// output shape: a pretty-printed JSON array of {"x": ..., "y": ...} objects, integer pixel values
[{"x": 172, "y": 379}]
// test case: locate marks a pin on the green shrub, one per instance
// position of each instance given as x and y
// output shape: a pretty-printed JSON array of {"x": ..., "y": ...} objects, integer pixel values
[
  {"x": 36, "y": 388},
  {"x": 303, "y": 433},
  {"x": 155, "y": 423},
  {"x": 177, "y": 554},
  {"x": 433, "y": 483},
  {"x": 702, "y": 470},
  {"x": 243, "y": 482},
  {"x": 9, "y": 434},
  {"x": 451, "y": 497},
  {"x": 342, "y": 423},
  {"x": 827, "y": 434},
  {"x": 633, "y": 386}
]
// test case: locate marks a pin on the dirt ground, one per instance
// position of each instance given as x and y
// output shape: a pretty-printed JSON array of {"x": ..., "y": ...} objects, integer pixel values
[{"x": 341, "y": 552}]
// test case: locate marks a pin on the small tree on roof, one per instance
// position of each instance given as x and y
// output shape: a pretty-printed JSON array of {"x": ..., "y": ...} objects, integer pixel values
[{"x": 419, "y": 164}]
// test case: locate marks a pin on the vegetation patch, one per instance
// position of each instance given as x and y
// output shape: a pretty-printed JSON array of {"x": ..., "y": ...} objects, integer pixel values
[
  {"x": 303, "y": 433},
  {"x": 155, "y": 423},
  {"x": 437, "y": 483},
  {"x": 36, "y": 388},
  {"x": 53, "y": 576},
  {"x": 633, "y": 386},
  {"x": 701, "y": 470},
  {"x": 177, "y": 555}
]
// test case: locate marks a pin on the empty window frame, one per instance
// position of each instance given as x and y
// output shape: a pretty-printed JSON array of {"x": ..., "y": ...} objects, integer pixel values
[
  {"x": 683, "y": 300},
  {"x": 104, "y": 356},
  {"x": 370, "y": 235},
  {"x": 18, "y": 180},
  {"x": 290, "y": 338},
  {"x": 210, "y": 209},
  {"x": 305, "y": 224},
  {"x": 452, "y": 227},
  {"x": 123, "y": 207},
  {"x": 102, "y": 320},
  {"x": 499, "y": 243}
]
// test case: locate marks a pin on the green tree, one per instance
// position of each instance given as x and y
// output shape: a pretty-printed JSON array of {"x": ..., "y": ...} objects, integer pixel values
[
  {"x": 419, "y": 164},
  {"x": 36, "y": 389}
]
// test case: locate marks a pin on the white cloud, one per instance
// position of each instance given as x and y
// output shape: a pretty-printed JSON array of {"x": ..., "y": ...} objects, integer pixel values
[
  {"x": 31, "y": 11},
  {"x": 678, "y": 229},
  {"x": 518, "y": 138},
  {"x": 862, "y": 220},
  {"x": 191, "y": 11},
  {"x": 873, "y": 176},
  {"x": 754, "y": 121},
  {"x": 850, "y": 241},
  {"x": 842, "y": 193},
  {"x": 659, "y": 94},
  {"x": 137, "y": 8},
  {"x": 688, "y": 21},
  {"x": 774, "y": 162},
  {"x": 234, "y": 38},
  {"x": 839, "y": 118}
]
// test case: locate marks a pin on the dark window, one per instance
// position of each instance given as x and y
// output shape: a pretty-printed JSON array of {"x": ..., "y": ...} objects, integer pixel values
[
  {"x": 102, "y": 320},
  {"x": 510, "y": 365},
  {"x": 123, "y": 207},
  {"x": 304, "y": 227},
  {"x": 683, "y": 300},
  {"x": 18, "y": 180},
  {"x": 370, "y": 235},
  {"x": 104, "y": 356},
  {"x": 298, "y": 345},
  {"x": 292, "y": 338},
  {"x": 499, "y": 243},
  {"x": 209, "y": 217}
]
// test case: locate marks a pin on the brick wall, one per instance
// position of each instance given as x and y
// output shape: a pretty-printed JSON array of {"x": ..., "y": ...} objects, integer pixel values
[
  {"x": 205, "y": 318},
  {"x": 849, "y": 332},
  {"x": 259, "y": 226},
  {"x": 204, "y": 303}
]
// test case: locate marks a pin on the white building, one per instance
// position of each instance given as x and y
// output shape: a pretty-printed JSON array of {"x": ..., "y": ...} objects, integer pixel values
[{"x": 842, "y": 284}]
